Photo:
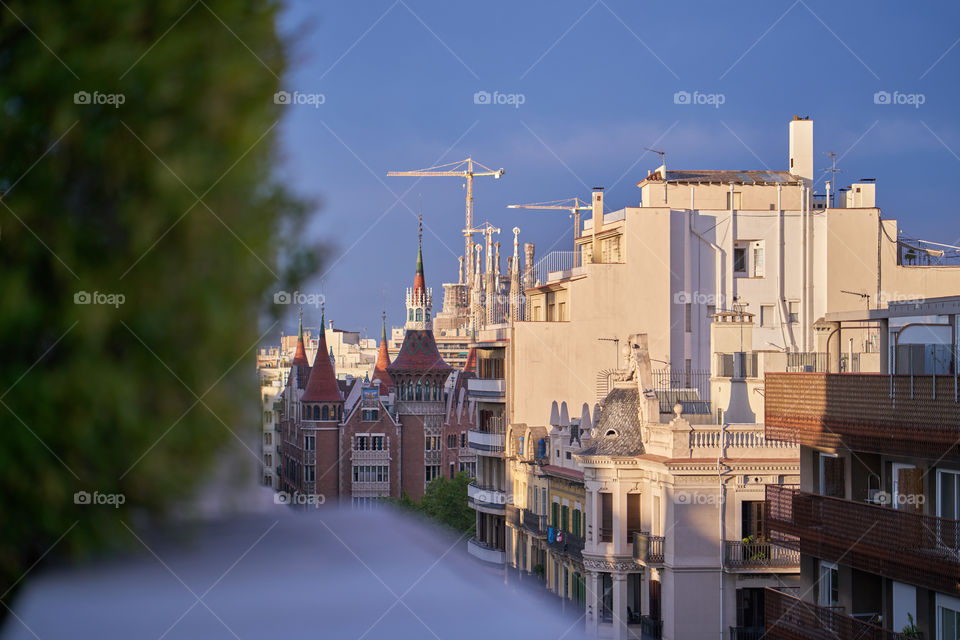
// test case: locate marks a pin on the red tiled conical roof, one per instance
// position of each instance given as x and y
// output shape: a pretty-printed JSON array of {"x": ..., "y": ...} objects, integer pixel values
[
  {"x": 419, "y": 353},
  {"x": 300, "y": 357},
  {"x": 383, "y": 361},
  {"x": 322, "y": 386},
  {"x": 471, "y": 364}
]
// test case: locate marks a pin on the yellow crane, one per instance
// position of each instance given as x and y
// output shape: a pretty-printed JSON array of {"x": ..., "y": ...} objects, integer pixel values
[
  {"x": 572, "y": 205},
  {"x": 468, "y": 169}
]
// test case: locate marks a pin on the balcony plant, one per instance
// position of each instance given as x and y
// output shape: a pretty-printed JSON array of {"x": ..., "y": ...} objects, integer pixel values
[
  {"x": 911, "y": 630},
  {"x": 755, "y": 547}
]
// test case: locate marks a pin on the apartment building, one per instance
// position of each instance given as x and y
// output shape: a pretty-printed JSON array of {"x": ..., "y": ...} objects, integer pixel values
[
  {"x": 703, "y": 241},
  {"x": 876, "y": 514},
  {"x": 272, "y": 372}
]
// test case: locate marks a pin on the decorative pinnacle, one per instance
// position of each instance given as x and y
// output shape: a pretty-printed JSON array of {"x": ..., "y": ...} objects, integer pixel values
[{"x": 301, "y": 322}]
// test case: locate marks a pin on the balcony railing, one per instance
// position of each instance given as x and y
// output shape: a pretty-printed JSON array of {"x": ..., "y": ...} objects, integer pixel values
[
  {"x": 651, "y": 628},
  {"x": 647, "y": 548},
  {"x": 536, "y": 524},
  {"x": 875, "y": 413},
  {"x": 760, "y": 555},
  {"x": 564, "y": 542},
  {"x": 487, "y": 387},
  {"x": 898, "y": 544},
  {"x": 485, "y": 441},
  {"x": 735, "y": 436},
  {"x": 486, "y": 496},
  {"x": 747, "y": 633},
  {"x": 513, "y": 516},
  {"x": 819, "y": 362},
  {"x": 485, "y": 552},
  {"x": 790, "y": 618}
]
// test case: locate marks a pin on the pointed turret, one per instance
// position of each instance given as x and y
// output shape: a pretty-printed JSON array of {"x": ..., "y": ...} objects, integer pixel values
[
  {"x": 300, "y": 357},
  {"x": 383, "y": 361},
  {"x": 322, "y": 386},
  {"x": 419, "y": 282}
]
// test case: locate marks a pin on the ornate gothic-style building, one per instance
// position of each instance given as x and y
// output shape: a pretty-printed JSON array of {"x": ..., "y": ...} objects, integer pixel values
[{"x": 362, "y": 440}]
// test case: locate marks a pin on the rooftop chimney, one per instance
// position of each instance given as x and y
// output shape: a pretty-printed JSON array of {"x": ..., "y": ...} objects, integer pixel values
[
  {"x": 801, "y": 149},
  {"x": 597, "y": 220}
]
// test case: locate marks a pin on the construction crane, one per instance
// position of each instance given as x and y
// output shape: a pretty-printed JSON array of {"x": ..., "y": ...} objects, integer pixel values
[
  {"x": 468, "y": 169},
  {"x": 572, "y": 205}
]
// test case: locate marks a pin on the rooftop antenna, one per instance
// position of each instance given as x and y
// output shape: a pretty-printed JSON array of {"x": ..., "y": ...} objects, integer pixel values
[
  {"x": 661, "y": 154},
  {"x": 833, "y": 171}
]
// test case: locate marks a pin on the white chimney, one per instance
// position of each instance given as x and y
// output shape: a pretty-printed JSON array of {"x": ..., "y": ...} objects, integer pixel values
[{"x": 801, "y": 149}]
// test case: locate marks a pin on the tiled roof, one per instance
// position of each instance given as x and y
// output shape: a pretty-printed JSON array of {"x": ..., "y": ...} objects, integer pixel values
[
  {"x": 563, "y": 471},
  {"x": 383, "y": 361},
  {"x": 322, "y": 386},
  {"x": 419, "y": 353},
  {"x": 300, "y": 357},
  {"x": 620, "y": 413}
]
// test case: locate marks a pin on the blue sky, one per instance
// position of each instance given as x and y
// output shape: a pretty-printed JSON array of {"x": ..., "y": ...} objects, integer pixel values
[{"x": 597, "y": 81}]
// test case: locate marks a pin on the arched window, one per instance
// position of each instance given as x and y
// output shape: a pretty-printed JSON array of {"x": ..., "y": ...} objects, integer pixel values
[
  {"x": 325, "y": 413},
  {"x": 428, "y": 315},
  {"x": 434, "y": 394},
  {"x": 410, "y": 315},
  {"x": 419, "y": 391},
  {"x": 316, "y": 412},
  {"x": 419, "y": 315},
  {"x": 339, "y": 412}
]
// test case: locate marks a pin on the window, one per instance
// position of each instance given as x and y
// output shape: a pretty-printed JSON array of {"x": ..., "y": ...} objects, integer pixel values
[
  {"x": 371, "y": 473},
  {"x": 687, "y": 317},
  {"x": 831, "y": 476},
  {"x": 362, "y": 444},
  {"x": 432, "y": 443},
  {"x": 451, "y": 470},
  {"x": 948, "y": 617},
  {"x": 606, "y": 517},
  {"x": 829, "y": 584},
  {"x": 948, "y": 494},
  {"x": 370, "y": 415},
  {"x": 568, "y": 455},
  {"x": 268, "y": 438},
  {"x": 309, "y": 473},
  {"x": 309, "y": 443},
  {"x": 739, "y": 260},
  {"x": 376, "y": 443},
  {"x": 463, "y": 439},
  {"x": 561, "y": 311},
  {"x": 606, "y": 596},
  {"x": 751, "y": 519},
  {"x": 565, "y": 518},
  {"x": 431, "y": 472},
  {"x": 451, "y": 441},
  {"x": 737, "y": 199},
  {"x": 907, "y": 487},
  {"x": 325, "y": 413},
  {"x": 268, "y": 460},
  {"x": 268, "y": 480},
  {"x": 793, "y": 311},
  {"x": 757, "y": 260},
  {"x": 577, "y": 522},
  {"x": 633, "y": 515},
  {"x": 766, "y": 315},
  {"x": 555, "y": 514}
]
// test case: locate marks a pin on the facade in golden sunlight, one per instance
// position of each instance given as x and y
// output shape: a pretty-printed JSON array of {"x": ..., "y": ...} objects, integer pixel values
[{"x": 875, "y": 516}]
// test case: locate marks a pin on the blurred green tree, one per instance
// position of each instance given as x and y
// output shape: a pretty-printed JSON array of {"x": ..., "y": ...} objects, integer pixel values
[
  {"x": 446, "y": 500},
  {"x": 138, "y": 160}
]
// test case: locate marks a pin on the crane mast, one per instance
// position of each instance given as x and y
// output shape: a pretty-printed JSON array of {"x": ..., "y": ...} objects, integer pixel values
[{"x": 462, "y": 169}]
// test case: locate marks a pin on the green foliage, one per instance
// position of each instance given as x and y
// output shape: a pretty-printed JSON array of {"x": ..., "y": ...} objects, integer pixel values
[
  {"x": 104, "y": 198},
  {"x": 911, "y": 630},
  {"x": 445, "y": 500}
]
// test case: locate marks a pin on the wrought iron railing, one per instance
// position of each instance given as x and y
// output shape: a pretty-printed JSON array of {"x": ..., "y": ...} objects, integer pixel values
[
  {"x": 647, "y": 548},
  {"x": 747, "y": 633},
  {"x": 564, "y": 541},
  {"x": 760, "y": 554}
]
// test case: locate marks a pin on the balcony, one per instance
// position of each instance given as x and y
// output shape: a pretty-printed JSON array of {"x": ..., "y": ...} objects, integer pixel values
[
  {"x": 900, "y": 415},
  {"x": 513, "y": 516},
  {"x": 901, "y": 545},
  {"x": 486, "y": 442},
  {"x": 747, "y": 633},
  {"x": 535, "y": 524},
  {"x": 487, "y": 388},
  {"x": 564, "y": 542},
  {"x": 756, "y": 556},
  {"x": 484, "y": 552},
  {"x": 647, "y": 548},
  {"x": 486, "y": 499},
  {"x": 790, "y": 618}
]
